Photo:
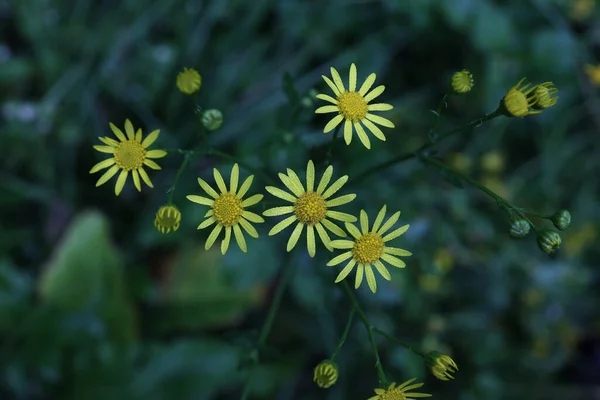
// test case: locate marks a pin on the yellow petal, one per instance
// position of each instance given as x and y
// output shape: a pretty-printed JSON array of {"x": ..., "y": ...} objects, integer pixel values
[
  {"x": 250, "y": 216},
  {"x": 339, "y": 259},
  {"x": 340, "y": 216},
  {"x": 364, "y": 139},
  {"x": 370, "y": 278},
  {"x": 380, "y": 107},
  {"x": 276, "y": 211},
  {"x": 335, "y": 121},
  {"x": 245, "y": 186},
  {"x": 282, "y": 225},
  {"x": 200, "y": 200},
  {"x": 294, "y": 236},
  {"x": 213, "y": 236},
  {"x": 206, "y": 187},
  {"x": 105, "y": 149},
  {"x": 310, "y": 176},
  {"x": 337, "y": 80},
  {"x": 239, "y": 238},
  {"x": 331, "y": 85},
  {"x": 396, "y": 262},
  {"x": 102, "y": 164},
  {"x": 233, "y": 179},
  {"x": 310, "y": 240},
  {"x": 118, "y": 133},
  {"x": 220, "y": 181},
  {"x": 352, "y": 78},
  {"x": 364, "y": 222},
  {"x": 108, "y": 141},
  {"x": 389, "y": 223},
  {"x": 380, "y": 120},
  {"x": 107, "y": 175},
  {"x": 326, "y": 98},
  {"x": 379, "y": 218},
  {"x": 396, "y": 233},
  {"x": 248, "y": 228},
  {"x": 156, "y": 153},
  {"x": 338, "y": 201},
  {"x": 348, "y": 132},
  {"x": 152, "y": 136},
  {"x": 145, "y": 177},
  {"x": 359, "y": 275},
  {"x": 344, "y": 273},
  {"x": 367, "y": 84},
  {"x": 252, "y": 200},
  {"x": 353, "y": 230},
  {"x": 327, "y": 109},
  {"x": 374, "y": 93},
  {"x": 151, "y": 164},
  {"x": 136, "y": 180},
  {"x": 374, "y": 129},
  {"x": 337, "y": 185},
  {"x": 121, "y": 181},
  {"x": 225, "y": 241},
  {"x": 280, "y": 193},
  {"x": 129, "y": 130}
]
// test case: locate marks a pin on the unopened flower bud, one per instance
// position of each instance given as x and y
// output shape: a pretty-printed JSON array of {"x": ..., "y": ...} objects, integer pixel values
[
  {"x": 519, "y": 228},
  {"x": 167, "y": 217},
  {"x": 549, "y": 241},
  {"x": 543, "y": 94},
  {"x": 189, "y": 81},
  {"x": 462, "y": 82},
  {"x": 561, "y": 219},
  {"x": 517, "y": 102},
  {"x": 212, "y": 119},
  {"x": 442, "y": 366},
  {"x": 326, "y": 374}
]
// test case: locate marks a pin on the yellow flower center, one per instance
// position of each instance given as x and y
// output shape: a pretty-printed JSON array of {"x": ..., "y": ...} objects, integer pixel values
[
  {"x": 228, "y": 209},
  {"x": 394, "y": 394},
  {"x": 167, "y": 218},
  {"x": 368, "y": 248},
  {"x": 130, "y": 155},
  {"x": 352, "y": 105},
  {"x": 310, "y": 208}
]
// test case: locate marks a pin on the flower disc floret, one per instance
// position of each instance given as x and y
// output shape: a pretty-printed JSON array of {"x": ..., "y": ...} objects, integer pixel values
[
  {"x": 310, "y": 207},
  {"x": 368, "y": 248},
  {"x": 167, "y": 218},
  {"x": 517, "y": 102},
  {"x": 352, "y": 106},
  {"x": 129, "y": 154},
  {"x": 400, "y": 392},
  {"x": 228, "y": 209}
]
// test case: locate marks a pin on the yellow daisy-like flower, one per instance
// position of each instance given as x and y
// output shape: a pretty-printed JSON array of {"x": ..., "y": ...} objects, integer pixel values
[
  {"x": 369, "y": 249},
  {"x": 354, "y": 107},
  {"x": 399, "y": 392},
  {"x": 129, "y": 154},
  {"x": 593, "y": 73},
  {"x": 189, "y": 81},
  {"x": 310, "y": 207},
  {"x": 519, "y": 103},
  {"x": 228, "y": 209},
  {"x": 167, "y": 217}
]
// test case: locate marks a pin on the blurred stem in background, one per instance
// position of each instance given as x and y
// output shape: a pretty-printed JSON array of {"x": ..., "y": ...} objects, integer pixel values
[{"x": 345, "y": 334}]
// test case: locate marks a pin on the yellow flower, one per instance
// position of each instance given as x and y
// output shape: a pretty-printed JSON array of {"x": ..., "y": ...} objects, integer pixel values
[
  {"x": 517, "y": 103},
  {"x": 228, "y": 209},
  {"x": 326, "y": 374},
  {"x": 582, "y": 9},
  {"x": 354, "y": 107},
  {"x": 441, "y": 365},
  {"x": 399, "y": 392},
  {"x": 311, "y": 208},
  {"x": 189, "y": 81},
  {"x": 544, "y": 95},
  {"x": 369, "y": 249},
  {"x": 492, "y": 162},
  {"x": 462, "y": 82},
  {"x": 593, "y": 73},
  {"x": 129, "y": 154},
  {"x": 167, "y": 217}
]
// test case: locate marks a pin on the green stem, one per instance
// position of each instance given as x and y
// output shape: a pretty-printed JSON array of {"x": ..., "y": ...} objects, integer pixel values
[
  {"x": 184, "y": 163},
  {"x": 426, "y": 146},
  {"x": 369, "y": 329},
  {"x": 331, "y": 142},
  {"x": 400, "y": 342},
  {"x": 273, "y": 308},
  {"x": 438, "y": 112},
  {"x": 345, "y": 334},
  {"x": 502, "y": 203}
]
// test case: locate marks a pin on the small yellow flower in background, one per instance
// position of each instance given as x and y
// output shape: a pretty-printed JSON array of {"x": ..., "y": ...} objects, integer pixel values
[
  {"x": 544, "y": 95},
  {"x": 443, "y": 260},
  {"x": 354, "y": 107},
  {"x": 460, "y": 161},
  {"x": 462, "y": 82},
  {"x": 430, "y": 283},
  {"x": 189, "y": 81},
  {"x": 582, "y": 9},
  {"x": 368, "y": 249},
  {"x": 399, "y": 392},
  {"x": 129, "y": 154},
  {"x": 311, "y": 208},
  {"x": 492, "y": 162},
  {"x": 442, "y": 366},
  {"x": 228, "y": 209},
  {"x": 167, "y": 217},
  {"x": 326, "y": 374},
  {"x": 517, "y": 102},
  {"x": 579, "y": 239},
  {"x": 593, "y": 73}
]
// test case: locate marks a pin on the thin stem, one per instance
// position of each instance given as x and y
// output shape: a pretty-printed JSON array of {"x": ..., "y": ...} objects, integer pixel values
[
  {"x": 502, "y": 203},
  {"x": 438, "y": 113},
  {"x": 408, "y": 156},
  {"x": 345, "y": 334},
  {"x": 369, "y": 329},
  {"x": 273, "y": 308},
  {"x": 330, "y": 147},
  {"x": 184, "y": 163},
  {"x": 400, "y": 342}
]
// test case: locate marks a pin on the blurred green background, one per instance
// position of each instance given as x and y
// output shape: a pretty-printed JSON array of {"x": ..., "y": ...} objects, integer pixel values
[{"x": 96, "y": 304}]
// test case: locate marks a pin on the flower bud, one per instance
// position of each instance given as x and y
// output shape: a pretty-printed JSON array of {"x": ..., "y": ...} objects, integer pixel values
[
  {"x": 189, "y": 81},
  {"x": 519, "y": 228},
  {"x": 212, "y": 119},
  {"x": 442, "y": 366},
  {"x": 326, "y": 374},
  {"x": 543, "y": 94},
  {"x": 561, "y": 219},
  {"x": 462, "y": 82},
  {"x": 517, "y": 102},
  {"x": 549, "y": 241},
  {"x": 167, "y": 217}
]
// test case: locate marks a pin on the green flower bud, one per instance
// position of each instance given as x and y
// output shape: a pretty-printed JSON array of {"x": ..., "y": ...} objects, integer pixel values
[
  {"x": 561, "y": 219},
  {"x": 543, "y": 94},
  {"x": 519, "y": 228},
  {"x": 442, "y": 366},
  {"x": 326, "y": 374},
  {"x": 212, "y": 119},
  {"x": 462, "y": 82},
  {"x": 167, "y": 217},
  {"x": 549, "y": 241}
]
